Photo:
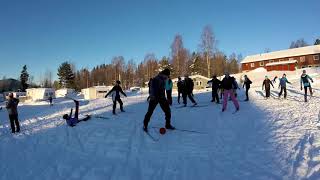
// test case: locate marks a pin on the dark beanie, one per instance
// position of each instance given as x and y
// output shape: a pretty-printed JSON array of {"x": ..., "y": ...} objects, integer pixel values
[{"x": 165, "y": 72}]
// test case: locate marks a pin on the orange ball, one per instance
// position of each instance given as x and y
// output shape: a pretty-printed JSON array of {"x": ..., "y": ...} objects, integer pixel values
[{"x": 162, "y": 130}]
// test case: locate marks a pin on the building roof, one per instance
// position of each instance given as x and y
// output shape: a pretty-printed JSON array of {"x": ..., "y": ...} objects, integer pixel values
[
  {"x": 281, "y": 62},
  {"x": 283, "y": 53},
  {"x": 192, "y": 77}
]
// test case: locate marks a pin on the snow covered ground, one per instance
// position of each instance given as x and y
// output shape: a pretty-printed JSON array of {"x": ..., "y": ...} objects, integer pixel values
[{"x": 266, "y": 139}]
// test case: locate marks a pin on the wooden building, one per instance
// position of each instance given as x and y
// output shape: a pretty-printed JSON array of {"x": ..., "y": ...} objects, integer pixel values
[{"x": 284, "y": 60}]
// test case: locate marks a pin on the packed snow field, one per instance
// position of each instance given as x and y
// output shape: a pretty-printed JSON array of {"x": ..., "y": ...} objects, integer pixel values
[{"x": 266, "y": 139}]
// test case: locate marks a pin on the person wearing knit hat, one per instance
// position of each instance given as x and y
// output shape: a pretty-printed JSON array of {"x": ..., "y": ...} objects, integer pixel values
[
  {"x": 267, "y": 85},
  {"x": 157, "y": 96}
]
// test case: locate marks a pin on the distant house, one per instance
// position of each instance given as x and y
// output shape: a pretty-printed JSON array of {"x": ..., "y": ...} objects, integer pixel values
[
  {"x": 64, "y": 92},
  {"x": 95, "y": 92},
  {"x": 15, "y": 94},
  {"x": 200, "y": 82},
  {"x": 284, "y": 60},
  {"x": 37, "y": 94}
]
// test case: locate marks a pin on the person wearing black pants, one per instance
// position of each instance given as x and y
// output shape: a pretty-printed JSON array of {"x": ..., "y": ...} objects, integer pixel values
[
  {"x": 180, "y": 88},
  {"x": 157, "y": 96},
  {"x": 188, "y": 88},
  {"x": 215, "y": 84},
  {"x": 116, "y": 90},
  {"x": 267, "y": 86},
  {"x": 305, "y": 82},
  {"x": 246, "y": 84},
  {"x": 12, "y": 107},
  {"x": 73, "y": 121}
]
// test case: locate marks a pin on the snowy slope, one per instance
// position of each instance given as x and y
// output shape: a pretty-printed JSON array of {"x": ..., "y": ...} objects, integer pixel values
[{"x": 267, "y": 139}]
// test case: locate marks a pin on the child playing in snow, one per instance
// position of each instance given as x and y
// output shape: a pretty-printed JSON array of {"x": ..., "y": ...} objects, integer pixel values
[
  {"x": 283, "y": 85},
  {"x": 306, "y": 84},
  {"x": 116, "y": 90},
  {"x": 266, "y": 85},
  {"x": 72, "y": 121}
]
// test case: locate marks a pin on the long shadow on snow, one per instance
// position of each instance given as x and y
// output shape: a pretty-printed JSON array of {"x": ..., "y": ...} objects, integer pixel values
[{"x": 238, "y": 146}]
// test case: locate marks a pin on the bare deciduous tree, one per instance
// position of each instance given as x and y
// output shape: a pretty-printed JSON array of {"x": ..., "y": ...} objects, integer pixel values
[{"x": 208, "y": 46}]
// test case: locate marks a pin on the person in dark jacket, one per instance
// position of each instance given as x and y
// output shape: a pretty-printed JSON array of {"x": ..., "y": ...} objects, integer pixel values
[
  {"x": 168, "y": 87},
  {"x": 12, "y": 107},
  {"x": 267, "y": 86},
  {"x": 72, "y": 121},
  {"x": 283, "y": 86},
  {"x": 157, "y": 96},
  {"x": 306, "y": 84},
  {"x": 247, "y": 82},
  {"x": 215, "y": 84},
  {"x": 228, "y": 83},
  {"x": 50, "y": 100},
  {"x": 116, "y": 90},
  {"x": 180, "y": 88},
  {"x": 187, "y": 90},
  {"x": 149, "y": 87}
]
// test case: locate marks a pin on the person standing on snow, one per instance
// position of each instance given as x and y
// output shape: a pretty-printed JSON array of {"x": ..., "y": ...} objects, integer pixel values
[
  {"x": 149, "y": 88},
  {"x": 180, "y": 88},
  {"x": 215, "y": 84},
  {"x": 306, "y": 84},
  {"x": 188, "y": 88},
  {"x": 228, "y": 83},
  {"x": 266, "y": 85},
  {"x": 247, "y": 82},
  {"x": 235, "y": 87},
  {"x": 72, "y": 121},
  {"x": 157, "y": 96},
  {"x": 116, "y": 90},
  {"x": 168, "y": 87},
  {"x": 12, "y": 107},
  {"x": 283, "y": 85},
  {"x": 50, "y": 100}
]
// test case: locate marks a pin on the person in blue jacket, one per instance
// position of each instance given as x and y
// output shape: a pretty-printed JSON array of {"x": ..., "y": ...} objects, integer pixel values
[
  {"x": 306, "y": 84},
  {"x": 168, "y": 87},
  {"x": 72, "y": 121},
  {"x": 283, "y": 86}
]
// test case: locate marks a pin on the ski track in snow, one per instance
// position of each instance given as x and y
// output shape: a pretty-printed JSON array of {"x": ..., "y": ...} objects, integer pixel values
[{"x": 266, "y": 139}]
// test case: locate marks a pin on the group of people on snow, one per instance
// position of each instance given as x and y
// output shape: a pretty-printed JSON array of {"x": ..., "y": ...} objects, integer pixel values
[
  {"x": 283, "y": 81},
  {"x": 160, "y": 92}
]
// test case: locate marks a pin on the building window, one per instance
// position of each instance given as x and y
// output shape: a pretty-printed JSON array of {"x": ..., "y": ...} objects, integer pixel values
[
  {"x": 271, "y": 61},
  {"x": 316, "y": 57},
  {"x": 252, "y": 64},
  {"x": 261, "y": 63},
  {"x": 302, "y": 59}
]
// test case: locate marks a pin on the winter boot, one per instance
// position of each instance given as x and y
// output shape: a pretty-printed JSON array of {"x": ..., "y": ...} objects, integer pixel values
[
  {"x": 169, "y": 126},
  {"x": 145, "y": 129}
]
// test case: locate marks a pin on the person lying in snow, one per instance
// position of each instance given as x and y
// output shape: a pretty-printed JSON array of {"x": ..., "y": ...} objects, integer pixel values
[{"x": 72, "y": 121}]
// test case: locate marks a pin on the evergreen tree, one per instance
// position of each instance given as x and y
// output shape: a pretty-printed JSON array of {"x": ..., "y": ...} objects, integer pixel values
[
  {"x": 165, "y": 64},
  {"x": 66, "y": 76},
  {"x": 24, "y": 77},
  {"x": 317, "y": 42},
  {"x": 197, "y": 65}
]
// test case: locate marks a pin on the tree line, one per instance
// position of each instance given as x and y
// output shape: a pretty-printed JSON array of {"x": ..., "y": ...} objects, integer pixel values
[{"x": 208, "y": 60}]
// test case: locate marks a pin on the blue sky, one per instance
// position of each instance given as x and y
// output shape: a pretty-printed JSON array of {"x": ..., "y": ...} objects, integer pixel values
[{"x": 44, "y": 33}]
